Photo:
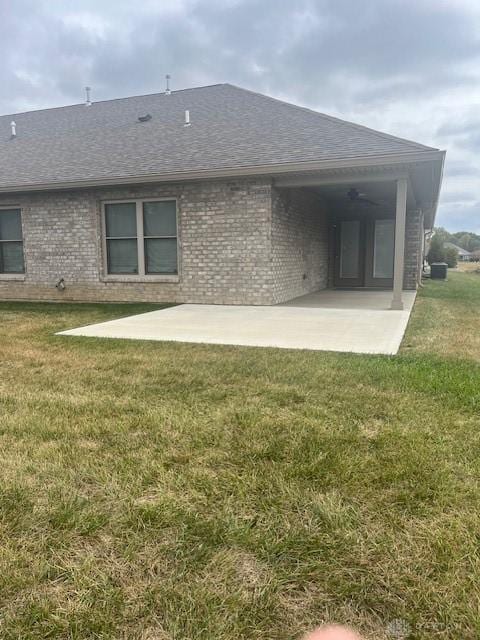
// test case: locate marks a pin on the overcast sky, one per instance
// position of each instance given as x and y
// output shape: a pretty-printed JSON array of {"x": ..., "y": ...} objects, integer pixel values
[{"x": 407, "y": 67}]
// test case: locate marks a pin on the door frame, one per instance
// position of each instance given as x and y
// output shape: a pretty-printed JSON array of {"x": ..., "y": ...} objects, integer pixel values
[
  {"x": 349, "y": 283},
  {"x": 366, "y": 252}
]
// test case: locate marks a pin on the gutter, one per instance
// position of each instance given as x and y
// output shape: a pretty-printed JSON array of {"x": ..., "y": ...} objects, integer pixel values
[
  {"x": 234, "y": 172},
  {"x": 436, "y": 197}
]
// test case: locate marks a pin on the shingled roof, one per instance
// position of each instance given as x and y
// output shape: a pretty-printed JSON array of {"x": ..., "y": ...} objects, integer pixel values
[{"x": 231, "y": 128}]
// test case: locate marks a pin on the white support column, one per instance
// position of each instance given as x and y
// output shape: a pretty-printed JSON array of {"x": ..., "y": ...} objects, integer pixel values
[{"x": 400, "y": 218}]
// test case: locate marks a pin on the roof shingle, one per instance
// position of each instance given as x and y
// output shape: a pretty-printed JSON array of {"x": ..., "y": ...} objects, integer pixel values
[{"x": 231, "y": 128}]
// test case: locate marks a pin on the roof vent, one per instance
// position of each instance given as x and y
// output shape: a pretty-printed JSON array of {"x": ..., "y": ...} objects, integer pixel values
[
  {"x": 145, "y": 118},
  {"x": 167, "y": 90},
  {"x": 13, "y": 126},
  {"x": 187, "y": 118},
  {"x": 88, "y": 102}
]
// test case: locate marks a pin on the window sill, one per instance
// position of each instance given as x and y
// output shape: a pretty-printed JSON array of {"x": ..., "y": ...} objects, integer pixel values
[
  {"x": 147, "y": 279},
  {"x": 16, "y": 277}
]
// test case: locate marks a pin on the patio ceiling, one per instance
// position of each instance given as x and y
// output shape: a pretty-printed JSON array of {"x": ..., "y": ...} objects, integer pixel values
[
  {"x": 377, "y": 182},
  {"x": 382, "y": 193}
]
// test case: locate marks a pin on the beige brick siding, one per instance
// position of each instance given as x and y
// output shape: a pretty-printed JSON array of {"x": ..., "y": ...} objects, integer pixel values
[
  {"x": 413, "y": 248},
  {"x": 240, "y": 242},
  {"x": 299, "y": 243},
  {"x": 224, "y": 245}
]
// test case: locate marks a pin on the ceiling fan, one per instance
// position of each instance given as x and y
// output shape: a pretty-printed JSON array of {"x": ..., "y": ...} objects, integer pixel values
[{"x": 355, "y": 196}]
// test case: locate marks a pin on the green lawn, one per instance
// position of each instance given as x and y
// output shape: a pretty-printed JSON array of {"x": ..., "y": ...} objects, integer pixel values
[{"x": 163, "y": 491}]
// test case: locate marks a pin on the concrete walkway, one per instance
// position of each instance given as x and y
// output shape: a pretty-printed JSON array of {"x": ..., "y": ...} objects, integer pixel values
[{"x": 353, "y": 321}]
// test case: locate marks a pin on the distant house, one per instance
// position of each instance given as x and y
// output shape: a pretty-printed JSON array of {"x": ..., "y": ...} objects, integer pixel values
[
  {"x": 475, "y": 255},
  {"x": 208, "y": 195},
  {"x": 463, "y": 254}
]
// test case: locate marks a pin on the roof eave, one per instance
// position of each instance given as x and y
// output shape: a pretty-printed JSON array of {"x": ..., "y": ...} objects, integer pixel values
[
  {"x": 234, "y": 172},
  {"x": 429, "y": 217}
]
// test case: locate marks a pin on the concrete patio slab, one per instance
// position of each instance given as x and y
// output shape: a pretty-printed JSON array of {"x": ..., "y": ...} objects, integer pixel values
[
  {"x": 353, "y": 325},
  {"x": 351, "y": 299}
]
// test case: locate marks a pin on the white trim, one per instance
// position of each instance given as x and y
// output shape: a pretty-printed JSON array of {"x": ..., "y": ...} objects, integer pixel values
[
  {"x": 17, "y": 277},
  {"x": 319, "y": 180},
  {"x": 255, "y": 170},
  {"x": 138, "y": 278},
  {"x": 141, "y": 276},
  {"x": 399, "y": 254},
  {"x": 411, "y": 199},
  {"x": 439, "y": 188}
]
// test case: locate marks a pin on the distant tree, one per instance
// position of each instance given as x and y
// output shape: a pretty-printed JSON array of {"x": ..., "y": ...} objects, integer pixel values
[
  {"x": 437, "y": 252},
  {"x": 466, "y": 239},
  {"x": 445, "y": 235},
  {"x": 451, "y": 257}
]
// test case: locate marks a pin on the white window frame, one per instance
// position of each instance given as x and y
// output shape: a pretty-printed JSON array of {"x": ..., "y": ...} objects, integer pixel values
[
  {"x": 141, "y": 276},
  {"x": 20, "y": 275}
]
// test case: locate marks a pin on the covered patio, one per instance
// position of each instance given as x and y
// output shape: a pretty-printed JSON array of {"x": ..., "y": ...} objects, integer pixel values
[
  {"x": 377, "y": 215},
  {"x": 349, "y": 321}
]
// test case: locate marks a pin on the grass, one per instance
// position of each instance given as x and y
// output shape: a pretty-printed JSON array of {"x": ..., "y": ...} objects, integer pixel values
[
  {"x": 447, "y": 318},
  {"x": 468, "y": 267},
  {"x": 160, "y": 491}
]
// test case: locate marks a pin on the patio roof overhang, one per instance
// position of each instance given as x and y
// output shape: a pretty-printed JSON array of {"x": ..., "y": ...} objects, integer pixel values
[{"x": 423, "y": 174}]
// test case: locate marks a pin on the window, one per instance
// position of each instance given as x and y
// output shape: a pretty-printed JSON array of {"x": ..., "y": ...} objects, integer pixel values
[
  {"x": 11, "y": 242},
  {"x": 121, "y": 235},
  {"x": 160, "y": 236},
  {"x": 141, "y": 237}
]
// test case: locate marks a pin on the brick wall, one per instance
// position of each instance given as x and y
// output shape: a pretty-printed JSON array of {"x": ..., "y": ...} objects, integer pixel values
[
  {"x": 240, "y": 242},
  {"x": 413, "y": 248},
  {"x": 299, "y": 243},
  {"x": 224, "y": 245}
]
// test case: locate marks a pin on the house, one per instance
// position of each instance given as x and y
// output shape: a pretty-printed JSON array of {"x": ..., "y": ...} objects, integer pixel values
[
  {"x": 214, "y": 194},
  {"x": 475, "y": 255},
  {"x": 463, "y": 254}
]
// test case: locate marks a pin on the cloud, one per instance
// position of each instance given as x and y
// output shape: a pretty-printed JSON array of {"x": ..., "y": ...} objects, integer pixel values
[
  {"x": 460, "y": 216},
  {"x": 461, "y": 168},
  {"x": 410, "y": 68}
]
